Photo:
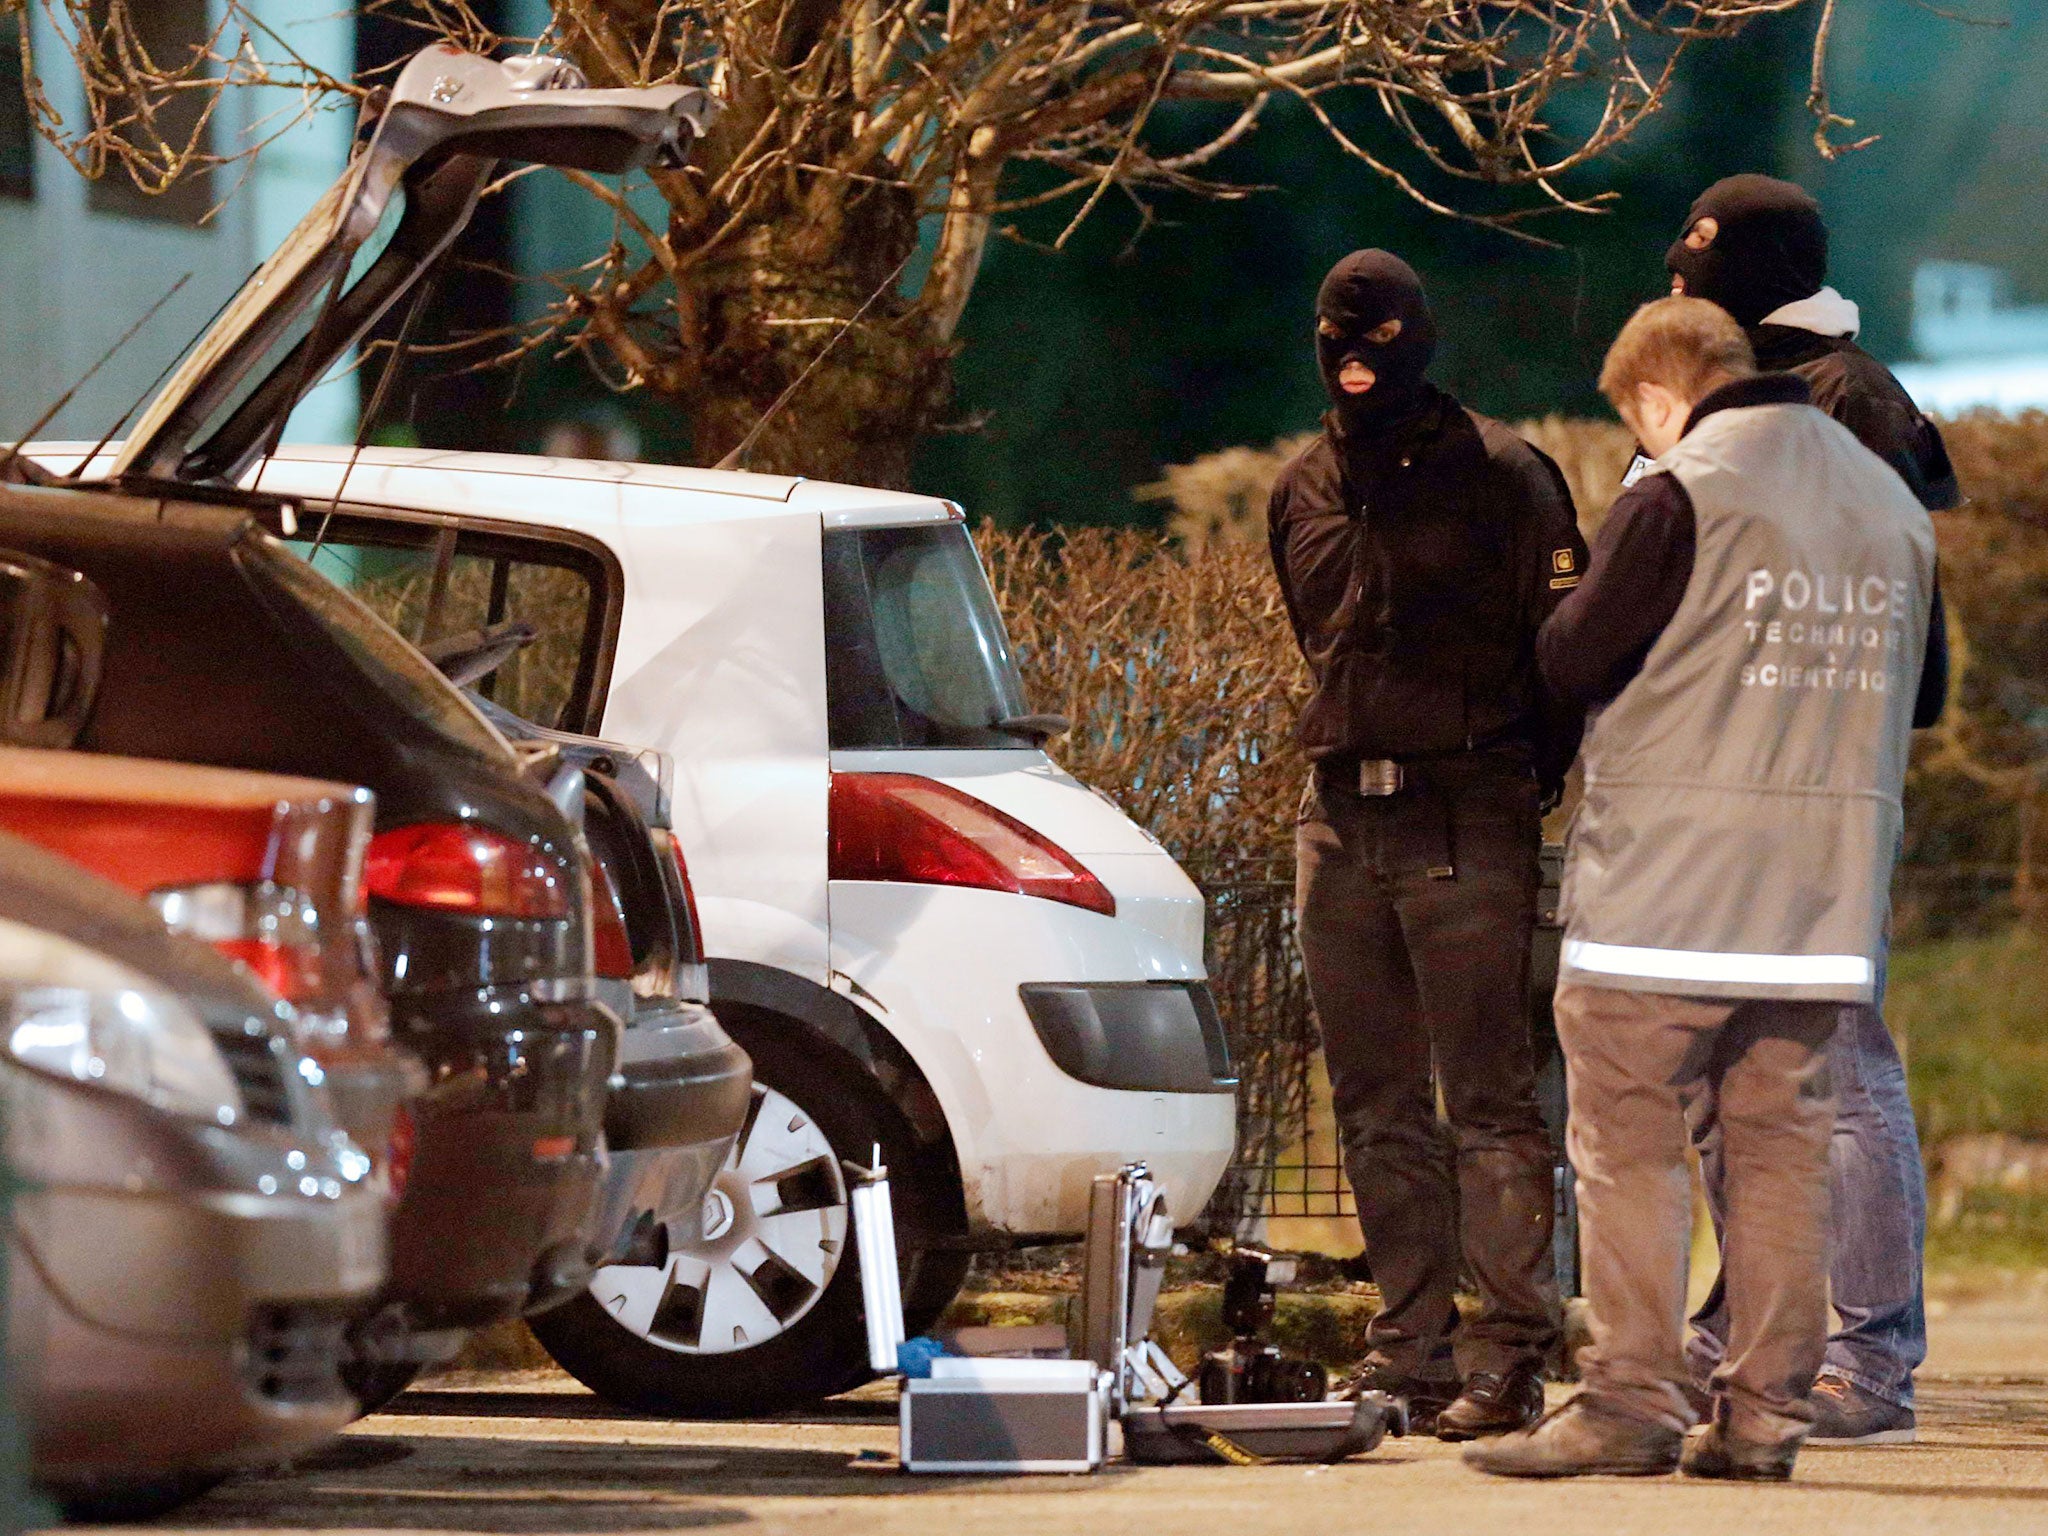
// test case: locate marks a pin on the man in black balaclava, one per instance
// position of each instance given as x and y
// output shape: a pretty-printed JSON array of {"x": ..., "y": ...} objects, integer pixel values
[
  {"x": 1373, "y": 320},
  {"x": 1757, "y": 247},
  {"x": 1419, "y": 548}
]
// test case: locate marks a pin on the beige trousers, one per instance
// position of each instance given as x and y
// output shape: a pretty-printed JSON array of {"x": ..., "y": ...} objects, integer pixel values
[{"x": 1639, "y": 1064}]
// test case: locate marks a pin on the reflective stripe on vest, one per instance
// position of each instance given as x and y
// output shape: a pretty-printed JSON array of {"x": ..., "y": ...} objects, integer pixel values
[{"x": 1707, "y": 965}]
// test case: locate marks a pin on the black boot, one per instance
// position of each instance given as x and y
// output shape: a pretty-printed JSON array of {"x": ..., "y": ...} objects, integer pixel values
[{"x": 1494, "y": 1403}]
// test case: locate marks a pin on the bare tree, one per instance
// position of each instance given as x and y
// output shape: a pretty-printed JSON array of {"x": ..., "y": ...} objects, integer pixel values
[{"x": 852, "y": 121}]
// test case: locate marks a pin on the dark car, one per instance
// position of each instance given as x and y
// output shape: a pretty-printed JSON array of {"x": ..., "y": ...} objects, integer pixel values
[
  {"x": 684, "y": 1089},
  {"x": 225, "y": 648},
  {"x": 191, "y": 1232}
]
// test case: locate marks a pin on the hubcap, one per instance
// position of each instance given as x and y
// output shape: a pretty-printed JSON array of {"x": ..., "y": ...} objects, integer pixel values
[{"x": 766, "y": 1243}]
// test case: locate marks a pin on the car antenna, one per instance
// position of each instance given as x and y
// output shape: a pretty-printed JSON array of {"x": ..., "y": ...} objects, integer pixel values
[
  {"x": 368, "y": 423},
  {"x": 154, "y": 384},
  {"x": 50, "y": 415},
  {"x": 738, "y": 456}
]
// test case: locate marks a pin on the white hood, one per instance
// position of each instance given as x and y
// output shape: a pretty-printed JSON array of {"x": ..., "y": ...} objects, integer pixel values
[{"x": 1825, "y": 313}]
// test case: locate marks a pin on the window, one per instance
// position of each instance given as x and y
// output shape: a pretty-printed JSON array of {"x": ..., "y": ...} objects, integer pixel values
[
  {"x": 916, "y": 654},
  {"x": 400, "y": 672},
  {"x": 17, "y": 134},
  {"x": 441, "y": 581},
  {"x": 171, "y": 32}
]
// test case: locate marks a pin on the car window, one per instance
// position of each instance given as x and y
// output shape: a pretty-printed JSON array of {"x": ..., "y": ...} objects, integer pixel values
[
  {"x": 916, "y": 653},
  {"x": 395, "y": 568},
  {"x": 402, "y": 674},
  {"x": 306, "y": 247}
]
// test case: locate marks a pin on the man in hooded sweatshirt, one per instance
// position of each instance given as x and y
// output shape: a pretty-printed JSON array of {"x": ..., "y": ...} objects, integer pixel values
[
  {"x": 1419, "y": 548},
  {"x": 1758, "y": 248}
]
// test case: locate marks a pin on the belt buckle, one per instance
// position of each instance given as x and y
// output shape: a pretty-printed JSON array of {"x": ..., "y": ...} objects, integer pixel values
[{"x": 1379, "y": 777}]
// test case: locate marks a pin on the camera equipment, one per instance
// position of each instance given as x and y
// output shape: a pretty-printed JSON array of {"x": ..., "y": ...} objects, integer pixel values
[
  {"x": 985, "y": 1415},
  {"x": 1253, "y": 1370}
]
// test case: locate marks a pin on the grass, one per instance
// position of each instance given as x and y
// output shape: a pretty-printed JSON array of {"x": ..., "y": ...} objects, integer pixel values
[
  {"x": 1996, "y": 1230},
  {"x": 1972, "y": 1016}
]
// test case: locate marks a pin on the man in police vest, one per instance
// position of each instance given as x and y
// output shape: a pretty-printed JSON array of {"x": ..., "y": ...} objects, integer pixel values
[
  {"x": 1751, "y": 632},
  {"x": 1757, "y": 247},
  {"x": 1419, "y": 547}
]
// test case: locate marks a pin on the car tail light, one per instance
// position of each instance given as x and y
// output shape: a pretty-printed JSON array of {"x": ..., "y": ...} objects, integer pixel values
[
  {"x": 612, "y": 948},
  {"x": 142, "y": 845},
  {"x": 693, "y": 941},
  {"x": 898, "y": 826},
  {"x": 268, "y": 928},
  {"x": 398, "y": 1157},
  {"x": 456, "y": 868}
]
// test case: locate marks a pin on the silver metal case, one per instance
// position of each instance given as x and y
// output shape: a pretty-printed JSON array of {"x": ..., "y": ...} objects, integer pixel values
[{"x": 1006, "y": 1416}]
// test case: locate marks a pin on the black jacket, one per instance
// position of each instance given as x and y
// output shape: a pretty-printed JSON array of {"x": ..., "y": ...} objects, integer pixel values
[
  {"x": 1417, "y": 567},
  {"x": 1642, "y": 563},
  {"x": 1860, "y": 392}
]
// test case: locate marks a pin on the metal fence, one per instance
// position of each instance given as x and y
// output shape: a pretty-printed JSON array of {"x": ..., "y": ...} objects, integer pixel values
[{"x": 1286, "y": 1162}]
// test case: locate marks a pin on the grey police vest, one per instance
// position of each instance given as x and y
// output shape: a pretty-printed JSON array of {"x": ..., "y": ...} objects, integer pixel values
[{"x": 1742, "y": 813}]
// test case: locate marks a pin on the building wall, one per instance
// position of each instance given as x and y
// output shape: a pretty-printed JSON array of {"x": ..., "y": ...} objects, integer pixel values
[{"x": 74, "y": 277}]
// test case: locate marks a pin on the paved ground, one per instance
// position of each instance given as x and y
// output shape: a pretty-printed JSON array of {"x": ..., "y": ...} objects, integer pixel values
[{"x": 527, "y": 1453}]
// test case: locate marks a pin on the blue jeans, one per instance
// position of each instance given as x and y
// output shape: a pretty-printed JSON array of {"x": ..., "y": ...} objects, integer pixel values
[{"x": 1878, "y": 1228}]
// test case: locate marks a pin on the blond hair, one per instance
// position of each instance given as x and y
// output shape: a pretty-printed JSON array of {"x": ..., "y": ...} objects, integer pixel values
[{"x": 1688, "y": 345}]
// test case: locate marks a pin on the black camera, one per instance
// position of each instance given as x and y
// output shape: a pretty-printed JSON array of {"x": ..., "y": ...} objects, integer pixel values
[{"x": 1252, "y": 1370}]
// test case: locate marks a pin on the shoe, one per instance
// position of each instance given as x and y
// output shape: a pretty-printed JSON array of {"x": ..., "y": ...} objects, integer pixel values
[
  {"x": 1716, "y": 1453},
  {"x": 1845, "y": 1414},
  {"x": 1578, "y": 1439},
  {"x": 1494, "y": 1403},
  {"x": 1425, "y": 1397}
]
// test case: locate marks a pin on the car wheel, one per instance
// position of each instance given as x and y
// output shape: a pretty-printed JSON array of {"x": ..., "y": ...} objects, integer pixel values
[
  {"x": 129, "y": 1503},
  {"x": 376, "y": 1382},
  {"x": 758, "y": 1307}
]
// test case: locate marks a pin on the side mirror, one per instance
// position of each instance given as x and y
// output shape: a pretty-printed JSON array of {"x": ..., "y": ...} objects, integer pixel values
[{"x": 53, "y": 633}]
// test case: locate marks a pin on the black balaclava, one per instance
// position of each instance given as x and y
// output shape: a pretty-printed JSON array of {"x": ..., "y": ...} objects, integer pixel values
[
  {"x": 1362, "y": 293},
  {"x": 1770, "y": 250}
]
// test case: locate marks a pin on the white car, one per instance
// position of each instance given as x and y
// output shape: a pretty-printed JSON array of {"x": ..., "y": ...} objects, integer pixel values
[
  {"x": 934, "y": 943},
  {"x": 940, "y": 951}
]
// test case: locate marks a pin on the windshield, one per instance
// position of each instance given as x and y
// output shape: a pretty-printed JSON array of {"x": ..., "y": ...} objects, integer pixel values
[
  {"x": 401, "y": 674},
  {"x": 916, "y": 655}
]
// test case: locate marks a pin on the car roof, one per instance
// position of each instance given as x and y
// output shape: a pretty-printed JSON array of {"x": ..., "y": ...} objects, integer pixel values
[{"x": 390, "y": 475}]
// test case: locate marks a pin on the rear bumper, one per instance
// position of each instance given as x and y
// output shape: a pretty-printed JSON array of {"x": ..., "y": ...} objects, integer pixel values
[
  {"x": 681, "y": 1082},
  {"x": 499, "y": 1202},
  {"x": 946, "y": 968},
  {"x": 680, "y": 1099},
  {"x": 189, "y": 1315},
  {"x": 1146, "y": 1036},
  {"x": 365, "y": 1087}
]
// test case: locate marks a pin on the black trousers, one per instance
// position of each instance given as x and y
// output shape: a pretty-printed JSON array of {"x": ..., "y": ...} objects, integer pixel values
[{"x": 1416, "y": 912}]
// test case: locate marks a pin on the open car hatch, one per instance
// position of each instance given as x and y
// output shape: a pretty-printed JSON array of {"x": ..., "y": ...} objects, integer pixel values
[{"x": 426, "y": 153}]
